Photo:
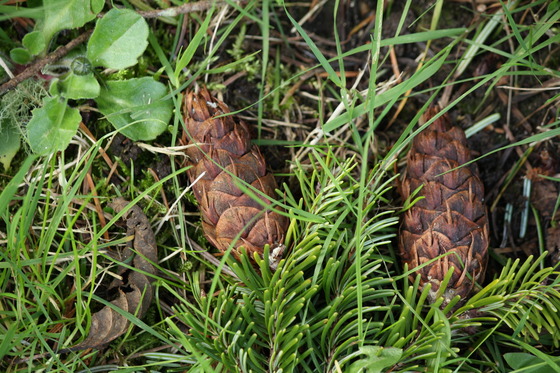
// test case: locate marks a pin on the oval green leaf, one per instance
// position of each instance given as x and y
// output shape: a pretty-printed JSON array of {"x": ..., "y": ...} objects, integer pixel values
[
  {"x": 137, "y": 107},
  {"x": 9, "y": 142},
  {"x": 61, "y": 15},
  {"x": 34, "y": 42},
  {"x": 77, "y": 87},
  {"x": 118, "y": 40},
  {"x": 52, "y": 126},
  {"x": 20, "y": 56}
]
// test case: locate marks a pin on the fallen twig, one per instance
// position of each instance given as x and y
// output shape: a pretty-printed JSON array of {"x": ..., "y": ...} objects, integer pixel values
[
  {"x": 182, "y": 9},
  {"x": 39, "y": 64}
]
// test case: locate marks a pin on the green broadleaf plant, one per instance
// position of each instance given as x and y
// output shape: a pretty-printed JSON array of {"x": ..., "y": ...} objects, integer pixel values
[
  {"x": 118, "y": 39},
  {"x": 136, "y": 100},
  {"x": 378, "y": 358},
  {"x": 20, "y": 55},
  {"x": 76, "y": 87},
  {"x": 78, "y": 83},
  {"x": 137, "y": 106},
  {"x": 51, "y": 128},
  {"x": 34, "y": 42},
  {"x": 527, "y": 363},
  {"x": 9, "y": 142},
  {"x": 60, "y": 15},
  {"x": 15, "y": 108}
]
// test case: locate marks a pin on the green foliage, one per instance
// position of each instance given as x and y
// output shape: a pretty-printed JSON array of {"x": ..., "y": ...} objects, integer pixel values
[
  {"x": 337, "y": 297},
  {"x": 20, "y": 55},
  {"x": 306, "y": 315},
  {"x": 76, "y": 87},
  {"x": 59, "y": 15},
  {"x": 186, "y": 56},
  {"x": 34, "y": 42},
  {"x": 303, "y": 316},
  {"x": 525, "y": 298},
  {"x": 527, "y": 363},
  {"x": 241, "y": 62},
  {"x": 118, "y": 40},
  {"x": 9, "y": 142},
  {"x": 15, "y": 109},
  {"x": 137, "y": 107},
  {"x": 26, "y": 260},
  {"x": 338, "y": 301},
  {"x": 43, "y": 264},
  {"x": 52, "y": 126},
  {"x": 378, "y": 358}
]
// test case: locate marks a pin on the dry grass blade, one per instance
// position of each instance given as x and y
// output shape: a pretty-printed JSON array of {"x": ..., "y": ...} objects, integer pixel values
[
  {"x": 135, "y": 293},
  {"x": 448, "y": 227}
]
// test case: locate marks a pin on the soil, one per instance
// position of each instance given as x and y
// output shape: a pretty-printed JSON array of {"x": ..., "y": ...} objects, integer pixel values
[{"x": 526, "y": 116}]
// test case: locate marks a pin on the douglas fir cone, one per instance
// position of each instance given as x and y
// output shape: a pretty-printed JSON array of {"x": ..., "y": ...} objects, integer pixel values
[
  {"x": 449, "y": 224},
  {"x": 222, "y": 158}
]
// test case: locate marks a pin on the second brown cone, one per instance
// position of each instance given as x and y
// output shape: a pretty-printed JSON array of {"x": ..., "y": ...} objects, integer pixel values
[
  {"x": 223, "y": 158},
  {"x": 449, "y": 224}
]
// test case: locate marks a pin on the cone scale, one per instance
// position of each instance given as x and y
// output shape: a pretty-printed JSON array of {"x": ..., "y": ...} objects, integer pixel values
[
  {"x": 449, "y": 224},
  {"x": 223, "y": 158}
]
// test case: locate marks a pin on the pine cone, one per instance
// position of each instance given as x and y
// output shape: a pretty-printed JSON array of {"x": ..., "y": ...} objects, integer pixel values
[
  {"x": 451, "y": 218},
  {"x": 222, "y": 156}
]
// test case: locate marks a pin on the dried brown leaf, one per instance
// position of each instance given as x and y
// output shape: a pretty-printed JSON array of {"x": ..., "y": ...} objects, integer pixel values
[
  {"x": 553, "y": 244},
  {"x": 221, "y": 155},
  {"x": 451, "y": 218},
  {"x": 135, "y": 293},
  {"x": 544, "y": 192}
]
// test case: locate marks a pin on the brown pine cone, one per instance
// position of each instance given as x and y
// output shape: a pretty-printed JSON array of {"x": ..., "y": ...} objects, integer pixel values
[
  {"x": 222, "y": 157},
  {"x": 451, "y": 218}
]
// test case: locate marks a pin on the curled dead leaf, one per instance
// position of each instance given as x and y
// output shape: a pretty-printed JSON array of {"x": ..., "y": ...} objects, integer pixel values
[
  {"x": 135, "y": 291},
  {"x": 553, "y": 244}
]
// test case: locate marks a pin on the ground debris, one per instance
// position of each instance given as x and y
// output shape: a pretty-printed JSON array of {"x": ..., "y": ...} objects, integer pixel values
[{"x": 135, "y": 291}]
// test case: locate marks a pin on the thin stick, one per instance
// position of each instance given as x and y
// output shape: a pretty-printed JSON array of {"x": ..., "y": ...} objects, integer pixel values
[
  {"x": 182, "y": 9},
  {"x": 37, "y": 66}
]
